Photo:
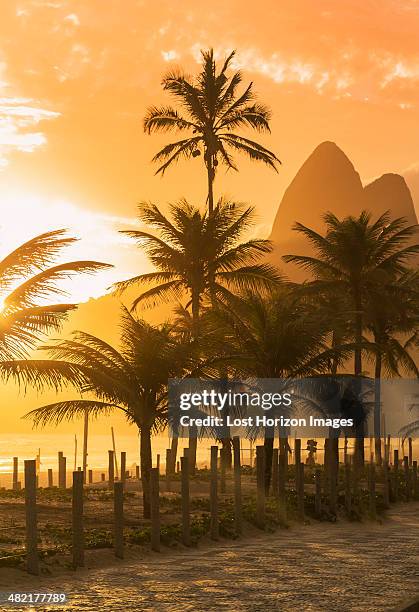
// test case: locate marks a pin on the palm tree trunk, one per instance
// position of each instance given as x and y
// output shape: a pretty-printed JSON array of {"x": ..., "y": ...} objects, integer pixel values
[
  {"x": 360, "y": 426},
  {"x": 377, "y": 408},
  {"x": 195, "y": 313},
  {"x": 173, "y": 453},
  {"x": 269, "y": 451},
  {"x": 193, "y": 442},
  {"x": 210, "y": 173},
  {"x": 335, "y": 343},
  {"x": 228, "y": 457},
  {"x": 146, "y": 465}
]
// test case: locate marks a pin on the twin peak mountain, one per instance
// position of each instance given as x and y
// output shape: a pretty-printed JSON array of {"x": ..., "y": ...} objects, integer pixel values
[{"x": 328, "y": 181}]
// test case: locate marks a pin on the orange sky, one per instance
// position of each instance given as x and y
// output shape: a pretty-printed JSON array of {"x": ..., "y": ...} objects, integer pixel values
[{"x": 77, "y": 76}]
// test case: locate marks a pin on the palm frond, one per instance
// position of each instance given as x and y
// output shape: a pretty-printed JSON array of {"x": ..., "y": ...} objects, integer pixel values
[
  {"x": 41, "y": 374},
  {"x": 34, "y": 255},
  {"x": 164, "y": 119},
  {"x": 43, "y": 284},
  {"x": 68, "y": 410},
  {"x": 250, "y": 148}
]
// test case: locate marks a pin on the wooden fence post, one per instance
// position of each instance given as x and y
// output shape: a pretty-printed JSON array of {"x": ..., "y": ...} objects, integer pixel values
[
  {"x": 123, "y": 468},
  {"x": 386, "y": 483},
  {"x": 348, "y": 496},
  {"x": 415, "y": 479},
  {"x": 237, "y": 486},
  {"x": 300, "y": 492},
  {"x": 410, "y": 452},
  {"x": 222, "y": 470},
  {"x": 318, "y": 493},
  {"x": 137, "y": 472},
  {"x": 345, "y": 451},
  {"x": 326, "y": 460},
  {"x": 396, "y": 475},
  {"x": 32, "y": 563},
  {"x": 275, "y": 466},
  {"x": 111, "y": 469},
  {"x": 193, "y": 443},
  {"x": 103, "y": 477},
  {"x": 282, "y": 485},
  {"x": 406, "y": 477},
  {"x": 50, "y": 478},
  {"x": 62, "y": 471},
  {"x": 371, "y": 482},
  {"x": 155, "y": 509},
  {"x": 90, "y": 476},
  {"x": 186, "y": 521},
  {"x": 77, "y": 528},
  {"x": 332, "y": 472},
  {"x": 15, "y": 473},
  {"x": 297, "y": 461},
  {"x": 168, "y": 470},
  {"x": 260, "y": 486},
  {"x": 118, "y": 515},
  {"x": 214, "y": 493}
]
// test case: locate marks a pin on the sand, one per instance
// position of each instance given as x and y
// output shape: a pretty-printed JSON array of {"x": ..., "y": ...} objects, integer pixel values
[{"x": 345, "y": 566}]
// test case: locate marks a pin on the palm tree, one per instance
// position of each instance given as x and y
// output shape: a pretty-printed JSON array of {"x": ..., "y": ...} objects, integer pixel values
[
  {"x": 392, "y": 317},
  {"x": 211, "y": 111},
  {"x": 200, "y": 256},
  {"x": 354, "y": 257},
  {"x": 282, "y": 336},
  {"x": 27, "y": 280},
  {"x": 132, "y": 380}
]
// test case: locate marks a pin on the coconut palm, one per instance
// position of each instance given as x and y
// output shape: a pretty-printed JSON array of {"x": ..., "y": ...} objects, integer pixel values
[
  {"x": 199, "y": 256},
  {"x": 355, "y": 257},
  {"x": 282, "y": 336},
  {"x": 211, "y": 110},
  {"x": 27, "y": 282},
  {"x": 392, "y": 318},
  {"x": 132, "y": 380}
]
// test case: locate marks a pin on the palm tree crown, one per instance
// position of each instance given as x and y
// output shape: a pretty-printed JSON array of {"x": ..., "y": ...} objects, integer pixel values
[
  {"x": 355, "y": 257},
  {"x": 200, "y": 255},
  {"x": 132, "y": 380},
  {"x": 211, "y": 110},
  {"x": 27, "y": 280}
]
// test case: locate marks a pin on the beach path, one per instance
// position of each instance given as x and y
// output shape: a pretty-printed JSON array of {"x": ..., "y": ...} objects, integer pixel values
[{"x": 344, "y": 567}]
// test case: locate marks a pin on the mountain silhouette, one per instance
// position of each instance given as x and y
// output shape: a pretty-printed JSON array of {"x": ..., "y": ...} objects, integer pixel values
[
  {"x": 328, "y": 181},
  {"x": 390, "y": 192}
]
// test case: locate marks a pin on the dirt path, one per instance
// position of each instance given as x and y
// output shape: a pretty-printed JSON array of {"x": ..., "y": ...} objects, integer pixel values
[{"x": 344, "y": 567}]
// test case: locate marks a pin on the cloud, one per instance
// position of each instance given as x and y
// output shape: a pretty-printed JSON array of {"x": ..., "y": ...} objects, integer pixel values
[
  {"x": 169, "y": 56},
  {"x": 348, "y": 72},
  {"x": 17, "y": 117},
  {"x": 26, "y": 215},
  {"x": 400, "y": 71},
  {"x": 73, "y": 19}
]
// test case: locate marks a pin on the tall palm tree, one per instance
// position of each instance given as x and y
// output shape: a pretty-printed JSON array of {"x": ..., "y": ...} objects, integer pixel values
[
  {"x": 355, "y": 256},
  {"x": 392, "y": 318},
  {"x": 281, "y": 336},
  {"x": 27, "y": 281},
  {"x": 132, "y": 380},
  {"x": 199, "y": 256},
  {"x": 211, "y": 109}
]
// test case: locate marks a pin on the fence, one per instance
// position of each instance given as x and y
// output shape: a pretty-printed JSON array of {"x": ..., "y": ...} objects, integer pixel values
[{"x": 330, "y": 489}]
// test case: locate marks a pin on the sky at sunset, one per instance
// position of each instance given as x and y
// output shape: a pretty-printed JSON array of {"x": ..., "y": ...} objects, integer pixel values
[{"x": 76, "y": 78}]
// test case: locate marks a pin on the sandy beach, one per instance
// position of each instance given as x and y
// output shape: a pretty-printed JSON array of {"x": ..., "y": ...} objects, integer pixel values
[{"x": 345, "y": 567}]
